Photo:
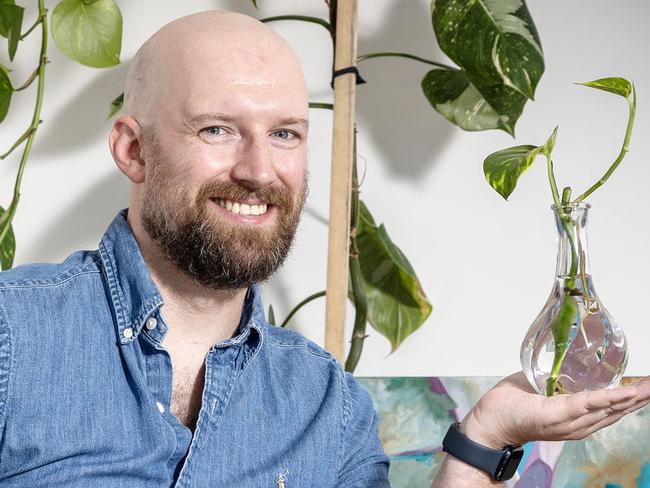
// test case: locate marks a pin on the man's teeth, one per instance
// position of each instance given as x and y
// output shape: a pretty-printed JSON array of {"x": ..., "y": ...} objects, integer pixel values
[{"x": 243, "y": 208}]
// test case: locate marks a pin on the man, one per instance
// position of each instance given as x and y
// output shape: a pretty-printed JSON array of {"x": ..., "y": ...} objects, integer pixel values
[{"x": 148, "y": 362}]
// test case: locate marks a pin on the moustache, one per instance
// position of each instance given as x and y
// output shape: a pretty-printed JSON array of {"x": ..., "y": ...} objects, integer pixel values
[{"x": 277, "y": 195}]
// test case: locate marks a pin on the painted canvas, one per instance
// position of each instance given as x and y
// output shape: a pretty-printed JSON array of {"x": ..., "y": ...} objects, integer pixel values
[{"x": 416, "y": 412}]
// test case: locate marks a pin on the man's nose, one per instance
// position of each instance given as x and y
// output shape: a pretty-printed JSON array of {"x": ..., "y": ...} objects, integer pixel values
[{"x": 254, "y": 168}]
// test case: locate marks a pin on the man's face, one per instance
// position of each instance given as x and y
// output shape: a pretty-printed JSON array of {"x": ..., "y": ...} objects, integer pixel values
[{"x": 226, "y": 172}]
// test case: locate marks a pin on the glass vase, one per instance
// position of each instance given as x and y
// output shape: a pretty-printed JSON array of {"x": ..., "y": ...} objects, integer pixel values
[{"x": 574, "y": 344}]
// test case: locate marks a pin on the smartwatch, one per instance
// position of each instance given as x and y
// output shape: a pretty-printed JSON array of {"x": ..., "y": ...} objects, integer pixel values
[{"x": 501, "y": 464}]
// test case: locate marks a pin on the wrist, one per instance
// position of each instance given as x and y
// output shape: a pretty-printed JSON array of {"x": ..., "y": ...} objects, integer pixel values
[{"x": 483, "y": 433}]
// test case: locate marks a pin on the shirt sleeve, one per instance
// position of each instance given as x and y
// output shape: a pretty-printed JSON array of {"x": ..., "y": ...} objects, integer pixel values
[{"x": 363, "y": 461}]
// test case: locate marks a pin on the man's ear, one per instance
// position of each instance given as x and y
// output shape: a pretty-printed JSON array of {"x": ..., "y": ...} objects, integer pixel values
[{"x": 124, "y": 143}]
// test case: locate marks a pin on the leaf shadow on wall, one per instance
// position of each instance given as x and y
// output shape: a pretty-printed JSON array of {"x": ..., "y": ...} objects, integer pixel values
[
  {"x": 83, "y": 222},
  {"x": 392, "y": 108},
  {"x": 83, "y": 120}
]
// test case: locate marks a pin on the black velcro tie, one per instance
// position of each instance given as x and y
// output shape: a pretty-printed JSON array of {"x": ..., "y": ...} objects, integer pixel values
[{"x": 345, "y": 71}]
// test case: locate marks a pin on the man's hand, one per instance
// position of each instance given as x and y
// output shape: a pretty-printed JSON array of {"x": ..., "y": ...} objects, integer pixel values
[{"x": 511, "y": 413}]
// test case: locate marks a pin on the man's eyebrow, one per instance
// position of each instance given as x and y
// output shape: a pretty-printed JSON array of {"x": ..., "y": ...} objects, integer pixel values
[
  {"x": 295, "y": 121},
  {"x": 209, "y": 116},
  {"x": 212, "y": 116}
]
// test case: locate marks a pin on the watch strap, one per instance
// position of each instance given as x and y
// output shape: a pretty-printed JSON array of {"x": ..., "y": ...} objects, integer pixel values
[{"x": 490, "y": 460}]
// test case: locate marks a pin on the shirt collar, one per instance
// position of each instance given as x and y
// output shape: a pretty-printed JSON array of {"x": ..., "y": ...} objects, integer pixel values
[{"x": 135, "y": 297}]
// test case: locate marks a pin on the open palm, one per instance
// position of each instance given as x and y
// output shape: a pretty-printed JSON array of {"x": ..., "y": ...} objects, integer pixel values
[{"x": 511, "y": 413}]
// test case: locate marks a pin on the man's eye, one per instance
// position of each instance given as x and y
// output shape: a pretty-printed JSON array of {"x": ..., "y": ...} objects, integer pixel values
[
  {"x": 214, "y": 131},
  {"x": 284, "y": 134}
]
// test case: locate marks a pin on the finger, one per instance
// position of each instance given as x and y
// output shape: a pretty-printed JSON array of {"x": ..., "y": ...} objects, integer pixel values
[
  {"x": 598, "y": 399},
  {"x": 626, "y": 405},
  {"x": 585, "y": 424},
  {"x": 605, "y": 421},
  {"x": 596, "y": 419},
  {"x": 636, "y": 407},
  {"x": 580, "y": 404},
  {"x": 643, "y": 387},
  {"x": 620, "y": 398}
]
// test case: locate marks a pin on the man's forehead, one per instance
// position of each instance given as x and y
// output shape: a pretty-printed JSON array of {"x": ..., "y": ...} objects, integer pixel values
[{"x": 241, "y": 92}]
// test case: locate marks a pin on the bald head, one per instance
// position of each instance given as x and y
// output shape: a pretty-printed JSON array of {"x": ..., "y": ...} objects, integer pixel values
[{"x": 195, "y": 54}]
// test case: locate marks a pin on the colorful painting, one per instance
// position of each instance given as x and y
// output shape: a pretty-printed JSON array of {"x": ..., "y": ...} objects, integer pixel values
[{"x": 416, "y": 412}]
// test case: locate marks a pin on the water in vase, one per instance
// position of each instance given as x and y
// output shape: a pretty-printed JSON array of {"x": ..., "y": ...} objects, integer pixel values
[{"x": 592, "y": 352}]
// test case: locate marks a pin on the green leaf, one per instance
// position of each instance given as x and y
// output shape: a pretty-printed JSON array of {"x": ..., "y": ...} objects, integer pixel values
[
  {"x": 11, "y": 23},
  {"x": 548, "y": 146},
  {"x": 493, "y": 40},
  {"x": 6, "y": 90},
  {"x": 7, "y": 247},
  {"x": 616, "y": 85},
  {"x": 496, "y": 45},
  {"x": 116, "y": 105},
  {"x": 4, "y": 24},
  {"x": 88, "y": 32},
  {"x": 397, "y": 305},
  {"x": 254, "y": 3},
  {"x": 271, "y": 319},
  {"x": 452, "y": 94},
  {"x": 503, "y": 168}
]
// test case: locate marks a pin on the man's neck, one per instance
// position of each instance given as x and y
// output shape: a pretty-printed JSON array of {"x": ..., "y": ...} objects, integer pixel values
[{"x": 194, "y": 313}]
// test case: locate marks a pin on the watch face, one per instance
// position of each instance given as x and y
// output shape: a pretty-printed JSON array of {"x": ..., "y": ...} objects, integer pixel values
[{"x": 509, "y": 463}]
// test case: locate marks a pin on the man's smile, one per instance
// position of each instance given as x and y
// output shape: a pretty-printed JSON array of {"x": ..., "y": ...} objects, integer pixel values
[{"x": 242, "y": 208}]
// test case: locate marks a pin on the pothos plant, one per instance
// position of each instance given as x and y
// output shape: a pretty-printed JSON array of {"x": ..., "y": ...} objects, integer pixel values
[
  {"x": 499, "y": 63},
  {"x": 87, "y": 31},
  {"x": 502, "y": 170}
]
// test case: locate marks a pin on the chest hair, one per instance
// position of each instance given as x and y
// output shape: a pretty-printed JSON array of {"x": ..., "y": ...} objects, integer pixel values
[{"x": 187, "y": 390}]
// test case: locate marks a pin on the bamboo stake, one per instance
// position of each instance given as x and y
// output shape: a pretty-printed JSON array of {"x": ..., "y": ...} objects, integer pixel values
[{"x": 341, "y": 176}]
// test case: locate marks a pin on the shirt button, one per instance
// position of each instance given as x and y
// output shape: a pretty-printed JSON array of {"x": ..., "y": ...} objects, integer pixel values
[
  {"x": 161, "y": 407},
  {"x": 128, "y": 333},
  {"x": 151, "y": 323}
]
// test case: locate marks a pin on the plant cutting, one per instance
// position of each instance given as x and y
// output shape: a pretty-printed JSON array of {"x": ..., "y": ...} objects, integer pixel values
[{"x": 573, "y": 344}]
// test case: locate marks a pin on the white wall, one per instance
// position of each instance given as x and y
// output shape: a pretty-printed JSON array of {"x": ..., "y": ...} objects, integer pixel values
[{"x": 486, "y": 265}]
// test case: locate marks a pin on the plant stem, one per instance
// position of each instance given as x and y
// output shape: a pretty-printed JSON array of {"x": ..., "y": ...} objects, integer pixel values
[
  {"x": 18, "y": 142},
  {"x": 7, "y": 217},
  {"x": 301, "y": 304},
  {"x": 38, "y": 21},
  {"x": 304, "y": 18},
  {"x": 29, "y": 81},
  {"x": 552, "y": 182},
  {"x": 358, "y": 293},
  {"x": 621, "y": 154},
  {"x": 328, "y": 106},
  {"x": 564, "y": 319},
  {"x": 364, "y": 57}
]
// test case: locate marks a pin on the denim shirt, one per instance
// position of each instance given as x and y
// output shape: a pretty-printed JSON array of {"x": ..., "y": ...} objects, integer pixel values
[{"x": 85, "y": 390}]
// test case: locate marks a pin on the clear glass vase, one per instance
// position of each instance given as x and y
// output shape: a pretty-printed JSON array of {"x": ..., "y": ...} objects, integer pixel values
[{"x": 574, "y": 344}]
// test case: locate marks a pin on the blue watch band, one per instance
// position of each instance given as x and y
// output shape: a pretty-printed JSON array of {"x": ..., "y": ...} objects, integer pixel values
[{"x": 499, "y": 464}]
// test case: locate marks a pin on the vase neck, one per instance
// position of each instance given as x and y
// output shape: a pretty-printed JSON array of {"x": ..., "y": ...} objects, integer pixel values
[{"x": 573, "y": 252}]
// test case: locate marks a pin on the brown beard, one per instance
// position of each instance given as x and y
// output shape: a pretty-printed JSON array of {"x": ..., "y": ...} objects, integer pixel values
[{"x": 216, "y": 253}]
